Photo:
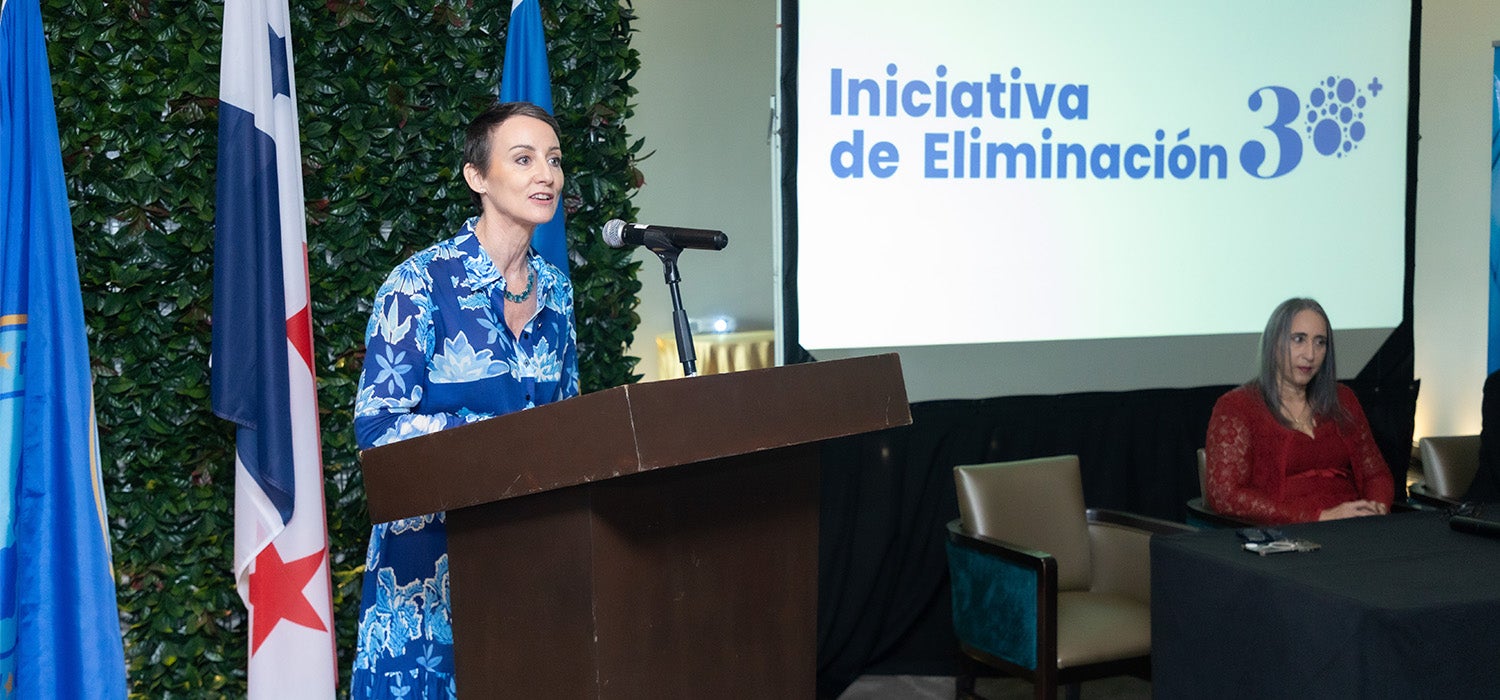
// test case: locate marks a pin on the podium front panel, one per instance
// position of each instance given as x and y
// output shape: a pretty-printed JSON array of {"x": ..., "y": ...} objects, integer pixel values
[
  {"x": 699, "y": 581},
  {"x": 520, "y": 575},
  {"x": 644, "y": 541},
  {"x": 706, "y": 581}
]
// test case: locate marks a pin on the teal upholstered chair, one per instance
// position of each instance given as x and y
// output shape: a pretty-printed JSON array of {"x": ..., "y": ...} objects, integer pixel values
[{"x": 1042, "y": 588}]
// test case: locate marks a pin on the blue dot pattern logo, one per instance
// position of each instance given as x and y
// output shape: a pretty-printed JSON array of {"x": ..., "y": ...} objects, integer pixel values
[{"x": 1335, "y": 115}]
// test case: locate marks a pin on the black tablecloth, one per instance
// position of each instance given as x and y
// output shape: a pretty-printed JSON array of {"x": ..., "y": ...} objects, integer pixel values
[{"x": 1396, "y": 606}]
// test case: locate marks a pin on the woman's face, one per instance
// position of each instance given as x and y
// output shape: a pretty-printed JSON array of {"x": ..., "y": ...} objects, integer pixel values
[
  {"x": 1306, "y": 346},
  {"x": 524, "y": 176}
]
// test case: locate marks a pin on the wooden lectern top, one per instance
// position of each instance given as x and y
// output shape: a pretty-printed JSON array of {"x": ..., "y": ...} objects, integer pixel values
[{"x": 633, "y": 429}]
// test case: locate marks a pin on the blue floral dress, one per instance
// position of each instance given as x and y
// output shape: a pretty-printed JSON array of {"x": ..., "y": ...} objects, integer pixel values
[{"x": 438, "y": 354}]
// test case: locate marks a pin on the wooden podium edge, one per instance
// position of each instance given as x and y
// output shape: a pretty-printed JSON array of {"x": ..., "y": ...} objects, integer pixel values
[{"x": 632, "y": 429}]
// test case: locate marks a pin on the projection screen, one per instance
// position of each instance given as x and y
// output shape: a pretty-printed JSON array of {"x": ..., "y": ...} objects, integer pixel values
[{"x": 1081, "y": 194}]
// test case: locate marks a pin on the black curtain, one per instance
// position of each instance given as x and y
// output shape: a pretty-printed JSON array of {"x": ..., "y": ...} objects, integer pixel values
[{"x": 883, "y": 578}]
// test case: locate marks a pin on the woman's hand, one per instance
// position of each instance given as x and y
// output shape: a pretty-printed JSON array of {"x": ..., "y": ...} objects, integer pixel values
[{"x": 1353, "y": 509}]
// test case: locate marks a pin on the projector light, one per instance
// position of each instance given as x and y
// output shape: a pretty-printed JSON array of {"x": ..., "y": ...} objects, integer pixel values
[{"x": 714, "y": 324}]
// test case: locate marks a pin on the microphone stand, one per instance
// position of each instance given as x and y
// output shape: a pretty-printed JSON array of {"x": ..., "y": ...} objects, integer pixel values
[{"x": 685, "y": 352}]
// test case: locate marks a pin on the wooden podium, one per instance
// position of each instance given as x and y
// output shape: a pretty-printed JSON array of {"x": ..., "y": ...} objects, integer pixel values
[{"x": 655, "y": 540}]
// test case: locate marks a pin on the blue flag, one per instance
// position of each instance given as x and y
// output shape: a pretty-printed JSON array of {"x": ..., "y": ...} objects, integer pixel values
[
  {"x": 523, "y": 78},
  {"x": 1494, "y": 335},
  {"x": 59, "y": 621},
  {"x": 262, "y": 373}
]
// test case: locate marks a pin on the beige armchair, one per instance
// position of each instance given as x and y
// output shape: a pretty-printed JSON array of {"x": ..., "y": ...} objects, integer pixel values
[
  {"x": 1042, "y": 588},
  {"x": 1449, "y": 464}
]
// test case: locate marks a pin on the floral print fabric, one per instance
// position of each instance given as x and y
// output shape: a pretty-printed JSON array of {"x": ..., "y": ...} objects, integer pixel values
[{"x": 438, "y": 354}]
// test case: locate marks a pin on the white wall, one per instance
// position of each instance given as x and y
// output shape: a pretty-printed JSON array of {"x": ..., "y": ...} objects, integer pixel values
[
  {"x": 708, "y": 70},
  {"x": 1453, "y": 202},
  {"x": 706, "y": 80}
]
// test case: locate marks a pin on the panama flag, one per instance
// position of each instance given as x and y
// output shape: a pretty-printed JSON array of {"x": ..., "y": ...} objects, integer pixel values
[
  {"x": 59, "y": 622},
  {"x": 523, "y": 78},
  {"x": 262, "y": 366}
]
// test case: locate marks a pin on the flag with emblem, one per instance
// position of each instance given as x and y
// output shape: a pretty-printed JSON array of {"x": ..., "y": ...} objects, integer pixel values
[
  {"x": 59, "y": 621},
  {"x": 262, "y": 364},
  {"x": 524, "y": 78}
]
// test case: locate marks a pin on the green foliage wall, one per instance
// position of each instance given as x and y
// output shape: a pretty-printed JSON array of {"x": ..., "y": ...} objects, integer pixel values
[{"x": 384, "y": 89}]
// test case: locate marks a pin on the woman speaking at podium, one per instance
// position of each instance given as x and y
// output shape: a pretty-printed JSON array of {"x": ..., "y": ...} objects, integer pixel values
[
  {"x": 1293, "y": 445},
  {"x": 475, "y": 326}
]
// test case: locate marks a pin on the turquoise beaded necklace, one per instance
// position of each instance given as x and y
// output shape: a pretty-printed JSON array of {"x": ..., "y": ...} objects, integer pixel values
[{"x": 525, "y": 293}]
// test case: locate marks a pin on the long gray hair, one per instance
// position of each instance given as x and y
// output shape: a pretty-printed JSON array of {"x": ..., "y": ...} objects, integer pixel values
[{"x": 1275, "y": 343}]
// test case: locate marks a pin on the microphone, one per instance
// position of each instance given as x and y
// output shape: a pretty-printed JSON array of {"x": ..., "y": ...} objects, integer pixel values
[{"x": 619, "y": 234}]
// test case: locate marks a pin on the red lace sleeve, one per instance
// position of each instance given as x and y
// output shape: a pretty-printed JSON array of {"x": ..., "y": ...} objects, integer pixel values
[
  {"x": 1370, "y": 470},
  {"x": 1235, "y": 461}
]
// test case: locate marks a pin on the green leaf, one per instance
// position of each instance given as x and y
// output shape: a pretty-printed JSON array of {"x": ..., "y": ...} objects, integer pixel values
[{"x": 381, "y": 124}]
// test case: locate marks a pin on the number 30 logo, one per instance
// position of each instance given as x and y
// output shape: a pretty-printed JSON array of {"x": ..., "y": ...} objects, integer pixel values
[{"x": 1334, "y": 123}]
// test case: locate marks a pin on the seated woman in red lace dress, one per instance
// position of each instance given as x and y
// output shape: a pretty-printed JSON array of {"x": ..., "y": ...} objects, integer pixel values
[{"x": 1293, "y": 445}]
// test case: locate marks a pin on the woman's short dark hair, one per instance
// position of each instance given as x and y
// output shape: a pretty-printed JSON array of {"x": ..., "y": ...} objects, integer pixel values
[
  {"x": 478, "y": 135},
  {"x": 1275, "y": 341}
]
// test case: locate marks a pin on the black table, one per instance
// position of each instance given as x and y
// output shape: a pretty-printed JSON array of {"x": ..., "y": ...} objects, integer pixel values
[{"x": 1396, "y": 606}]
